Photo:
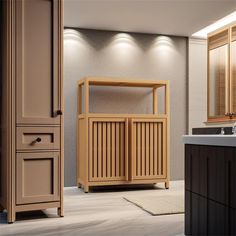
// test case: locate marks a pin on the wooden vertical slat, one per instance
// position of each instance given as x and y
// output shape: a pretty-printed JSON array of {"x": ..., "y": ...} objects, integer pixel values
[
  {"x": 117, "y": 147},
  {"x": 143, "y": 148},
  {"x": 126, "y": 150},
  {"x": 167, "y": 130},
  {"x": 134, "y": 149},
  {"x": 151, "y": 149},
  {"x": 99, "y": 149},
  {"x": 79, "y": 109},
  {"x": 86, "y": 97},
  {"x": 95, "y": 149},
  {"x": 155, "y": 153},
  {"x": 164, "y": 148},
  {"x": 138, "y": 143},
  {"x": 108, "y": 149},
  {"x": 104, "y": 149},
  {"x": 91, "y": 164},
  {"x": 122, "y": 150},
  {"x": 159, "y": 149},
  {"x": 147, "y": 148},
  {"x": 113, "y": 156}
]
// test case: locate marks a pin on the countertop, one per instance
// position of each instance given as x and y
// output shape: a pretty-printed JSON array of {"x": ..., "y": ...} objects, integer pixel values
[{"x": 211, "y": 140}]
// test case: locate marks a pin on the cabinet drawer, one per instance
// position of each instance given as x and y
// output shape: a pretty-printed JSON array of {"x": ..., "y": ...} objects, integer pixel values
[
  {"x": 37, "y": 177},
  {"x": 36, "y": 138}
]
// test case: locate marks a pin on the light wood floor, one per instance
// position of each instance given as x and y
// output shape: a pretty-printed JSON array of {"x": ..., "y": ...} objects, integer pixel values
[{"x": 103, "y": 212}]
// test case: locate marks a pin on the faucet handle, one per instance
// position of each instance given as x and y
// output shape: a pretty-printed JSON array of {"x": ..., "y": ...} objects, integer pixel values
[
  {"x": 222, "y": 131},
  {"x": 230, "y": 114},
  {"x": 234, "y": 128}
]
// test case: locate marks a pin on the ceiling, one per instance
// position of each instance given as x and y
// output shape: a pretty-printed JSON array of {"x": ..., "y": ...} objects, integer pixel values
[{"x": 170, "y": 17}]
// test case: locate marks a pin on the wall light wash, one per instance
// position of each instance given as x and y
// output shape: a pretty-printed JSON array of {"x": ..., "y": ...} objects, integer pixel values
[{"x": 129, "y": 55}]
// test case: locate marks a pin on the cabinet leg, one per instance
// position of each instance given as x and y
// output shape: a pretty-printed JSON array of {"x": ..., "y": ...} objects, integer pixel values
[
  {"x": 86, "y": 188},
  {"x": 11, "y": 218},
  {"x": 167, "y": 184},
  {"x": 79, "y": 185},
  {"x": 60, "y": 212}
]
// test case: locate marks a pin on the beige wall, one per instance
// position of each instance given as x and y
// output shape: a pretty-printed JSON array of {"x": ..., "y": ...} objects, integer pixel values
[
  {"x": 103, "y": 53},
  {"x": 197, "y": 83}
]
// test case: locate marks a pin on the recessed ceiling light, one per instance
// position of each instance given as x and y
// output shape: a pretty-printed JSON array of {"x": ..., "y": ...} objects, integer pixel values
[{"x": 218, "y": 24}]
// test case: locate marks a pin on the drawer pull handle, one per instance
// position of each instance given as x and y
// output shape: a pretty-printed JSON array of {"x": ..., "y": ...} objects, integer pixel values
[{"x": 38, "y": 140}]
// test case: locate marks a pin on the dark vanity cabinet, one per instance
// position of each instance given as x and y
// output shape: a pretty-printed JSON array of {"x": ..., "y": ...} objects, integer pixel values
[{"x": 210, "y": 190}]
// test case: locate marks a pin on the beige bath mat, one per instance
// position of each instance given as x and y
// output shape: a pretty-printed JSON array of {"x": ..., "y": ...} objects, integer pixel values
[{"x": 159, "y": 205}]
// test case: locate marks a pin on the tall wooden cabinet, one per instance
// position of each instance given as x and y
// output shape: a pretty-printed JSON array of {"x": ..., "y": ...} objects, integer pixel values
[
  {"x": 122, "y": 148},
  {"x": 31, "y": 106}
]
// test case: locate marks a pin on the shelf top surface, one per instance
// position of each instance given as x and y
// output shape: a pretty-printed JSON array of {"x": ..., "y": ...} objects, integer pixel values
[{"x": 109, "y": 81}]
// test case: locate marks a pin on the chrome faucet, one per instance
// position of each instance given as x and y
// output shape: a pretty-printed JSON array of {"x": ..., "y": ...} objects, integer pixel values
[
  {"x": 222, "y": 131},
  {"x": 234, "y": 129}
]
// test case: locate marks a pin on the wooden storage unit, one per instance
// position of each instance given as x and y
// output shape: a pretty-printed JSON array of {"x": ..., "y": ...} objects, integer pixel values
[
  {"x": 122, "y": 148},
  {"x": 31, "y": 106}
]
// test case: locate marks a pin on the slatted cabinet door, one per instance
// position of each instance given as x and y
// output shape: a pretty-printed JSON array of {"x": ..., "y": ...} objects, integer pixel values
[
  {"x": 148, "y": 149},
  {"x": 108, "y": 138}
]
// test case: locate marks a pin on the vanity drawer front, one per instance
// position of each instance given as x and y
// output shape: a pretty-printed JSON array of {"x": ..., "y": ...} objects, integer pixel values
[{"x": 38, "y": 138}]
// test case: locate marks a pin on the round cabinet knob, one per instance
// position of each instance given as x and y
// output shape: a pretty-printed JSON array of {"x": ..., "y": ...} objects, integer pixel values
[
  {"x": 38, "y": 140},
  {"x": 59, "y": 112}
]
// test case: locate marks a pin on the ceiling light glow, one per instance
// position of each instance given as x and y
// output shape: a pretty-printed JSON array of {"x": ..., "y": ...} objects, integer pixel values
[{"x": 218, "y": 24}]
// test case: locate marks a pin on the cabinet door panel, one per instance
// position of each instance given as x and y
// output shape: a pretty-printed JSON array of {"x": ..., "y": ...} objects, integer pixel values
[
  {"x": 217, "y": 218},
  {"x": 195, "y": 162},
  {"x": 217, "y": 173},
  {"x": 37, "y": 65},
  {"x": 231, "y": 177},
  {"x": 195, "y": 214},
  {"x": 188, "y": 172},
  {"x": 231, "y": 223},
  {"x": 206, "y": 217},
  {"x": 108, "y": 149},
  {"x": 148, "y": 158},
  {"x": 37, "y": 177}
]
